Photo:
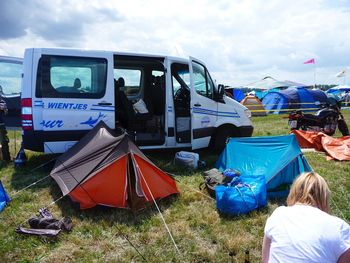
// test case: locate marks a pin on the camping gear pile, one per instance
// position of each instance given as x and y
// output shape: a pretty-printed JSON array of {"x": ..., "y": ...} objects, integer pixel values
[
  {"x": 263, "y": 166},
  {"x": 235, "y": 194},
  {"x": 214, "y": 177},
  {"x": 46, "y": 225},
  {"x": 107, "y": 169},
  {"x": 277, "y": 158}
]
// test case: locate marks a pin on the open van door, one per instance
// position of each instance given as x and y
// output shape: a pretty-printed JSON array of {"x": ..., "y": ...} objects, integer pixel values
[{"x": 204, "y": 109}]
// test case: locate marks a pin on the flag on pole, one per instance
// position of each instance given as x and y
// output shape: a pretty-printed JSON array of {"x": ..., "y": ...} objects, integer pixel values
[
  {"x": 341, "y": 74},
  {"x": 310, "y": 61}
]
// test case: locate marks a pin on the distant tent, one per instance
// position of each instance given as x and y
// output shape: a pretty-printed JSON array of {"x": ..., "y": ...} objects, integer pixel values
[
  {"x": 339, "y": 89},
  {"x": 292, "y": 98},
  {"x": 268, "y": 83},
  {"x": 105, "y": 169},
  {"x": 260, "y": 94},
  {"x": 254, "y": 105},
  {"x": 4, "y": 198},
  {"x": 278, "y": 158},
  {"x": 235, "y": 93}
]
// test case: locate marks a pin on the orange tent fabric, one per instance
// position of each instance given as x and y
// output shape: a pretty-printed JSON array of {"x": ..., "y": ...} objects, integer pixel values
[
  {"x": 336, "y": 148},
  {"x": 254, "y": 105},
  {"x": 110, "y": 170}
]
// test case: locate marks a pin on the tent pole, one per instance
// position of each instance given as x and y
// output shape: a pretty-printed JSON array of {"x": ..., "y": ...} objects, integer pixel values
[{"x": 315, "y": 76}]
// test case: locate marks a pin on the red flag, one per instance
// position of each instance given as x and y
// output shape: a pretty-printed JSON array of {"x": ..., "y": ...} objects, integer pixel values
[{"x": 310, "y": 61}]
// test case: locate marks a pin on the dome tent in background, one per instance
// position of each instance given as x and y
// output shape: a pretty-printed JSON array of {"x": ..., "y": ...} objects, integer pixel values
[
  {"x": 254, "y": 105},
  {"x": 292, "y": 98}
]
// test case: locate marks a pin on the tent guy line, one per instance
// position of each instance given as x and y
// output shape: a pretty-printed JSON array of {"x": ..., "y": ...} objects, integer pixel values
[
  {"x": 160, "y": 213},
  {"x": 28, "y": 186}
]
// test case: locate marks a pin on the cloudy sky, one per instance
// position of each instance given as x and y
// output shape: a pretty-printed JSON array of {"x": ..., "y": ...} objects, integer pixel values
[{"x": 240, "y": 41}]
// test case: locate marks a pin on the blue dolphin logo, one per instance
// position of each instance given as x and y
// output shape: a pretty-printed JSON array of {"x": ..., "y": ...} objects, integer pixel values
[{"x": 91, "y": 122}]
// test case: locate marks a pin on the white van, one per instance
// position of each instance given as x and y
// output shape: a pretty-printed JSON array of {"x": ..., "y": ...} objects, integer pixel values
[{"x": 162, "y": 101}]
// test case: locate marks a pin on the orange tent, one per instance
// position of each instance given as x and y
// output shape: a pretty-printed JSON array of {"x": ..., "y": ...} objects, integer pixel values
[
  {"x": 105, "y": 169},
  {"x": 254, "y": 105},
  {"x": 336, "y": 148}
]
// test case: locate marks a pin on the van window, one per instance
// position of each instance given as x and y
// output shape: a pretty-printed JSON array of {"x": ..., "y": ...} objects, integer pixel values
[
  {"x": 180, "y": 73},
  {"x": 71, "y": 77},
  {"x": 10, "y": 77},
  {"x": 132, "y": 79},
  {"x": 203, "y": 84}
]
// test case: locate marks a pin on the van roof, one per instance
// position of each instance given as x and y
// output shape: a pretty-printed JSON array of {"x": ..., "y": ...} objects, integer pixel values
[{"x": 84, "y": 51}]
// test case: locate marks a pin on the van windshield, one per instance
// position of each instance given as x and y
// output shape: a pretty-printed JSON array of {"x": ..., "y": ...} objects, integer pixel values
[{"x": 10, "y": 77}]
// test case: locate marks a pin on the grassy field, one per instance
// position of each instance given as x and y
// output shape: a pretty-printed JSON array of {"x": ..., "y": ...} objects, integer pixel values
[{"x": 100, "y": 234}]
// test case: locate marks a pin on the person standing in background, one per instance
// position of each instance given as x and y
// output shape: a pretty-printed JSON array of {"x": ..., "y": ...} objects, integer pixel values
[
  {"x": 304, "y": 231},
  {"x": 4, "y": 140}
]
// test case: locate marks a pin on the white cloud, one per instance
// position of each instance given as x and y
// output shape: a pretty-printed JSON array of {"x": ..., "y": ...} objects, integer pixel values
[{"x": 240, "y": 41}]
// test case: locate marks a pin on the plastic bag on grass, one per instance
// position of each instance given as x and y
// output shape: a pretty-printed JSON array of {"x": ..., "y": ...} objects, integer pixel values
[{"x": 243, "y": 196}]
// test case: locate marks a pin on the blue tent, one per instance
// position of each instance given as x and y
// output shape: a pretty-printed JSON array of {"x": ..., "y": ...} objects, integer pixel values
[
  {"x": 283, "y": 101},
  {"x": 238, "y": 94},
  {"x": 4, "y": 198},
  {"x": 339, "y": 89},
  {"x": 278, "y": 158}
]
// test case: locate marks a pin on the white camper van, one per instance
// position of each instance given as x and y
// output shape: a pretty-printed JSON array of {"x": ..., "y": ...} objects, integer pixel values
[{"x": 162, "y": 101}]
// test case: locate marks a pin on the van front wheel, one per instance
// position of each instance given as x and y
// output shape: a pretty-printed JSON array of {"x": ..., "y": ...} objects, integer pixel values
[{"x": 221, "y": 136}]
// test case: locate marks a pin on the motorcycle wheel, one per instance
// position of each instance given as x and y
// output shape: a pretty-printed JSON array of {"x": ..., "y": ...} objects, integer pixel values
[{"x": 343, "y": 127}]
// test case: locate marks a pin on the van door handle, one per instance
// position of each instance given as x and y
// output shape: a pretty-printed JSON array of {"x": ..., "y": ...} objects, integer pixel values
[
  {"x": 197, "y": 105},
  {"x": 104, "y": 103}
]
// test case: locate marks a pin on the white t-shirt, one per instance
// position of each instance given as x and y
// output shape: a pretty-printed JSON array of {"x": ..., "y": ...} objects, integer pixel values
[{"x": 303, "y": 233}]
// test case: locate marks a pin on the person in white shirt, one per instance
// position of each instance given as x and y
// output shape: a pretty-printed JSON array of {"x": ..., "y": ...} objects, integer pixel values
[{"x": 304, "y": 231}]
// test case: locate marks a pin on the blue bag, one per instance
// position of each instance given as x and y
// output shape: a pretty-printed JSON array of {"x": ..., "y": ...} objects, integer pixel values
[{"x": 242, "y": 196}]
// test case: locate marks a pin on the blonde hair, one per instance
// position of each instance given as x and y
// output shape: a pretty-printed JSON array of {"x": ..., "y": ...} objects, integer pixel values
[{"x": 310, "y": 189}]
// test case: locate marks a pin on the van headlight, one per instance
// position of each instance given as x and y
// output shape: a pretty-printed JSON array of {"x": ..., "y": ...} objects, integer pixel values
[{"x": 248, "y": 113}]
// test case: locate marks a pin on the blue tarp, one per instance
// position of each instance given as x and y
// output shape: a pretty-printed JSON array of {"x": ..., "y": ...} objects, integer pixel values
[
  {"x": 278, "y": 158},
  {"x": 4, "y": 198},
  {"x": 238, "y": 94},
  {"x": 294, "y": 98}
]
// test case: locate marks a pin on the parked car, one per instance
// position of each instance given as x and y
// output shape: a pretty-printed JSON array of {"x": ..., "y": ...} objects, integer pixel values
[{"x": 10, "y": 88}]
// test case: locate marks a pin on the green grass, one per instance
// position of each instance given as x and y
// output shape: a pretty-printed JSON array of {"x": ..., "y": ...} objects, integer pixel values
[{"x": 201, "y": 234}]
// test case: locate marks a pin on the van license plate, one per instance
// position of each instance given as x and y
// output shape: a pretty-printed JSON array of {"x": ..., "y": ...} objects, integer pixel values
[{"x": 292, "y": 124}]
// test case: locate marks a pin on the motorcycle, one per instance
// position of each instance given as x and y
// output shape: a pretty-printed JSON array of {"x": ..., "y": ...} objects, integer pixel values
[{"x": 325, "y": 120}]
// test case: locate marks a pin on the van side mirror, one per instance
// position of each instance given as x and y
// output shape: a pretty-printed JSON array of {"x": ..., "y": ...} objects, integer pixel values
[{"x": 219, "y": 94}]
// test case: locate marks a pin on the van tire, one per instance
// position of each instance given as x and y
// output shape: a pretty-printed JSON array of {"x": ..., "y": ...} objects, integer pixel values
[{"x": 221, "y": 136}]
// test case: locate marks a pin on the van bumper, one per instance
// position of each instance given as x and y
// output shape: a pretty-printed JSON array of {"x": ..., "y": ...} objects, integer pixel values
[
  {"x": 35, "y": 140},
  {"x": 245, "y": 131}
]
